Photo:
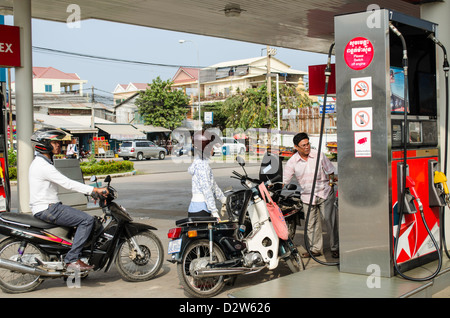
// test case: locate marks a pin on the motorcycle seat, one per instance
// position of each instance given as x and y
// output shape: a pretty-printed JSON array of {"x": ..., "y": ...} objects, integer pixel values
[
  {"x": 25, "y": 220},
  {"x": 196, "y": 219}
]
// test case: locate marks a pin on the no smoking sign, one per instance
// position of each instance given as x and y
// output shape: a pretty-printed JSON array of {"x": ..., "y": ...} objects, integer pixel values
[{"x": 361, "y": 88}]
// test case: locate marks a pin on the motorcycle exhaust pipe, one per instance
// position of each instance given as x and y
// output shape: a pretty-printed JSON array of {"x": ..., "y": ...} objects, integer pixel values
[
  {"x": 211, "y": 272},
  {"x": 26, "y": 269}
]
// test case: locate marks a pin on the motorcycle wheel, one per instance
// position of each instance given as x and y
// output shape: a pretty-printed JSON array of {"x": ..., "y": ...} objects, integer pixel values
[
  {"x": 134, "y": 268},
  {"x": 294, "y": 260},
  {"x": 195, "y": 255},
  {"x": 14, "y": 282}
]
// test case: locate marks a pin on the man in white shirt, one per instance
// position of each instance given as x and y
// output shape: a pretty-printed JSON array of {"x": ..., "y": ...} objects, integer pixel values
[
  {"x": 302, "y": 165},
  {"x": 44, "y": 179}
]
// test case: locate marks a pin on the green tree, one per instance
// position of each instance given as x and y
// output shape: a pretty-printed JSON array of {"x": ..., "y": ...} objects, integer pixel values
[
  {"x": 159, "y": 105},
  {"x": 249, "y": 109}
]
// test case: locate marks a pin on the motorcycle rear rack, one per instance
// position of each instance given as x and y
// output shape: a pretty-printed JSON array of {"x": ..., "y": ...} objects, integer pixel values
[{"x": 196, "y": 220}]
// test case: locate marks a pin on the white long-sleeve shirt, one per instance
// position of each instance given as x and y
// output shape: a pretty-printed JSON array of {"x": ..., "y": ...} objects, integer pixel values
[
  {"x": 44, "y": 179},
  {"x": 205, "y": 190}
]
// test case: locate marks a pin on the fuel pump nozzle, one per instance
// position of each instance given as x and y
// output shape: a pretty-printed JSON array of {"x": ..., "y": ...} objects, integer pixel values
[
  {"x": 440, "y": 178},
  {"x": 411, "y": 195}
]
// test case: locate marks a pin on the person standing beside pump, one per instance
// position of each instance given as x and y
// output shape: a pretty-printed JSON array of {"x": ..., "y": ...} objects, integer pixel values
[
  {"x": 205, "y": 190},
  {"x": 303, "y": 164},
  {"x": 44, "y": 179}
]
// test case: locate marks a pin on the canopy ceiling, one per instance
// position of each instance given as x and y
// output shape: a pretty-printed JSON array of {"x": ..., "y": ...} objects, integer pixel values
[{"x": 298, "y": 24}]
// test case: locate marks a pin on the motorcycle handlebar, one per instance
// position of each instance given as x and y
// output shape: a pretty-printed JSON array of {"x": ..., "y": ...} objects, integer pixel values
[
  {"x": 257, "y": 181},
  {"x": 273, "y": 180}
]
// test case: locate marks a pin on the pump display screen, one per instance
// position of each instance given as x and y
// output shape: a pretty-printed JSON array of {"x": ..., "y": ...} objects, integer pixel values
[{"x": 415, "y": 132}]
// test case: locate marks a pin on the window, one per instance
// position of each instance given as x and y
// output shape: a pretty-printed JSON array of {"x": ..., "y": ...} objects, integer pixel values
[
  {"x": 48, "y": 88},
  {"x": 142, "y": 144}
]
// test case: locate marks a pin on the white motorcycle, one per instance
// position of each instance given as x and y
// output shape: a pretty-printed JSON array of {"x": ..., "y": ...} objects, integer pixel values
[{"x": 210, "y": 253}]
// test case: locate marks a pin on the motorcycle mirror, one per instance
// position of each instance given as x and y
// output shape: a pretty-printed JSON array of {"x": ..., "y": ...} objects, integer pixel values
[
  {"x": 108, "y": 179},
  {"x": 93, "y": 178},
  {"x": 240, "y": 160}
]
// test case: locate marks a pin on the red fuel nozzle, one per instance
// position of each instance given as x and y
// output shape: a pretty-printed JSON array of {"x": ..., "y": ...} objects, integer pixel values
[{"x": 410, "y": 185}]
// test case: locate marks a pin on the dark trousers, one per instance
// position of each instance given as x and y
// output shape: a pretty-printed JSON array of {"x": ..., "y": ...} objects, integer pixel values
[{"x": 64, "y": 215}]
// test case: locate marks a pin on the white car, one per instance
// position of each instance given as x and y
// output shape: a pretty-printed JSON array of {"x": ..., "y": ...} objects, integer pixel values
[{"x": 230, "y": 146}]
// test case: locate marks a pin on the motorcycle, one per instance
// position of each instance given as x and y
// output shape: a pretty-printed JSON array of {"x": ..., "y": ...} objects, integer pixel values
[
  {"x": 34, "y": 250},
  {"x": 209, "y": 253}
]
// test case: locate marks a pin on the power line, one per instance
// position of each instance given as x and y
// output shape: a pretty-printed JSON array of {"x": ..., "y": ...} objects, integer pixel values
[{"x": 109, "y": 59}]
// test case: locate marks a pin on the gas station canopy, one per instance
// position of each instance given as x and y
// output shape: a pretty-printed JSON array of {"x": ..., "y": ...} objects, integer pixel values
[{"x": 305, "y": 25}]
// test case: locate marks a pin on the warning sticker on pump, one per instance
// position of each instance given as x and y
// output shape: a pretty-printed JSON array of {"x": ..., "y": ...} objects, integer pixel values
[
  {"x": 362, "y": 118},
  {"x": 361, "y": 88},
  {"x": 363, "y": 144},
  {"x": 358, "y": 53}
]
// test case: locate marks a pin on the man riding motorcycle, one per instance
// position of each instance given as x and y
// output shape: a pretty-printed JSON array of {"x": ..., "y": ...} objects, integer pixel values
[{"x": 44, "y": 179}]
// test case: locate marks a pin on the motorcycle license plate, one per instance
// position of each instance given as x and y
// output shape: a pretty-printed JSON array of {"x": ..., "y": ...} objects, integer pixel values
[{"x": 174, "y": 246}]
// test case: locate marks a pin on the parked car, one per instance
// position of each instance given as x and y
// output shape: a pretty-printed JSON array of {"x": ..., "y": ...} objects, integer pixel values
[
  {"x": 140, "y": 149},
  {"x": 184, "y": 150},
  {"x": 230, "y": 146}
]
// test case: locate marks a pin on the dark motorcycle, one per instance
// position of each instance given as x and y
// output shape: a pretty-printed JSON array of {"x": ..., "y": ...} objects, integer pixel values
[
  {"x": 34, "y": 250},
  {"x": 209, "y": 253}
]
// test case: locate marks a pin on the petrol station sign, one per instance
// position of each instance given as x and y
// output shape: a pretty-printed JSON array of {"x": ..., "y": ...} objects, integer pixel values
[{"x": 9, "y": 46}]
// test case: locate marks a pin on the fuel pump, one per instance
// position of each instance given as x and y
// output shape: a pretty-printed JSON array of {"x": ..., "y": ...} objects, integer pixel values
[{"x": 388, "y": 143}]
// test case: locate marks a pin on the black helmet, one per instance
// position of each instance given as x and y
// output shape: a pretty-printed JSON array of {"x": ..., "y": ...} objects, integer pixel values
[
  {"x": 42, "y": 137},
  {"x": 204, "y": 141}
]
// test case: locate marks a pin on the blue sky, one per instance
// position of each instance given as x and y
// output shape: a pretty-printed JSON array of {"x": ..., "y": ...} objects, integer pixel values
[{"x": 136, "y": 43}]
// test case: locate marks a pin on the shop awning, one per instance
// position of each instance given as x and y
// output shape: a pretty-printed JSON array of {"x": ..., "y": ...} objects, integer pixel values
[
  {"x": 150, "y": 128},
  {"x": 66, "y": 123},
  {"x": 121, "y": 131}
]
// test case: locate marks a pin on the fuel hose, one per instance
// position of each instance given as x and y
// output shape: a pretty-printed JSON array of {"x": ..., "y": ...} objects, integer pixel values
[
  {"x": 404, "y": 168},
  {"x": 446, "y": 68},
  {"x": 322, "y": 125}
]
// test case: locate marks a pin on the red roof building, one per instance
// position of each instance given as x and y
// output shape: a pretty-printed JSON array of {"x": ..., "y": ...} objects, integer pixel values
[{"x": 49, "y": 80}]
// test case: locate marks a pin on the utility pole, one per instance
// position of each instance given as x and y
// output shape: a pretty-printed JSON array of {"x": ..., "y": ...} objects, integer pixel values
[
  {"x": 268, "y": 80},
  {"x": 11, "y": 130},
  {"x": 92, "y": 108}
]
